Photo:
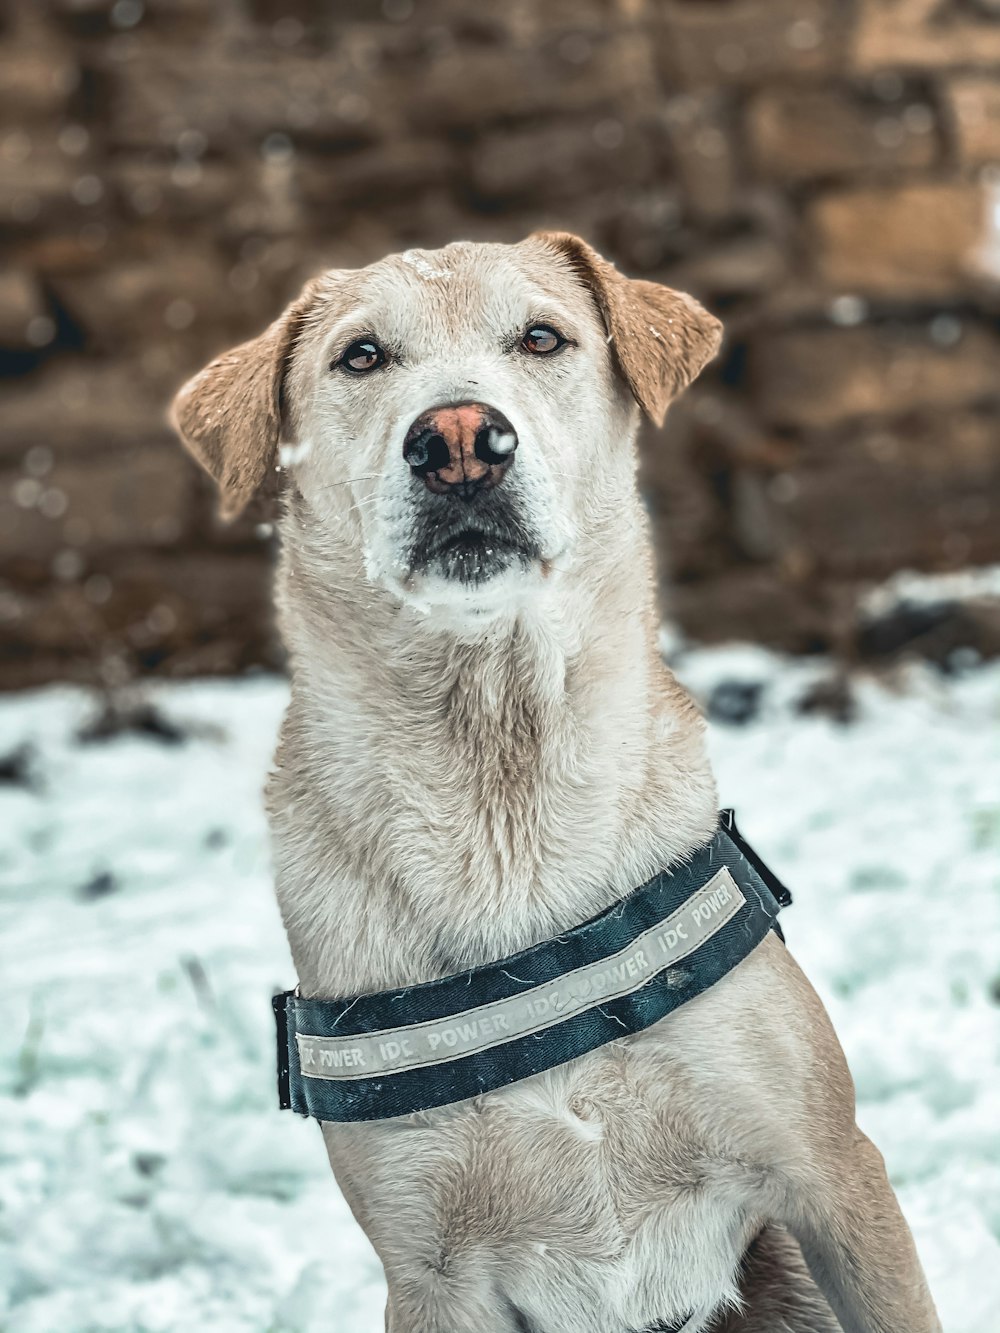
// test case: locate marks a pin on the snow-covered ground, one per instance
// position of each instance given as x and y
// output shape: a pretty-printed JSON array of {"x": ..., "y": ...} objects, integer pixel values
[{"x": 147, "y": 1181}]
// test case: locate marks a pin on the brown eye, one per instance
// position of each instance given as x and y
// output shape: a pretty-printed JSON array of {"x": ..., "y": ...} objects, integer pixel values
[
  {"x": 541, "y": 340},
  {"x": 362, "y": 356}
]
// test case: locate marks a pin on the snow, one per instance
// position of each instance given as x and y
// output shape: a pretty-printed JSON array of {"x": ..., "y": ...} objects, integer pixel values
[
  {"x": 418, "y": 261},
  {"x": 147, "y": 1181},
  {"x": 910, "y": 587}
]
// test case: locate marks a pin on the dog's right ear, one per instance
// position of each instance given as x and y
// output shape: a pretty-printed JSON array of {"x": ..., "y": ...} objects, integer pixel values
[
  {"x": 229, "y": 416},
  {"x": 661, "y": 339}
]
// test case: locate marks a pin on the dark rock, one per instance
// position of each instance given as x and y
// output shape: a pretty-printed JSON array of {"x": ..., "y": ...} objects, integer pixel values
[
  {"x": 830, "y": 698},
  {"x": 18, "y": 768},
  {"x": 949, "y": 633},
  {"x": 142, "y": 719},
  {"x": 735, "y": 702},
  {"x": 100, "y": 886}
]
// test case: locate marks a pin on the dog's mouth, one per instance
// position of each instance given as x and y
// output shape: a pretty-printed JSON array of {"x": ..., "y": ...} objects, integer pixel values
[{"x": 472, "y": 549}]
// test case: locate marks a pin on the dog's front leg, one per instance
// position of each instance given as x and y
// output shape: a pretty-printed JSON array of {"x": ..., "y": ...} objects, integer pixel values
[
  {"x": 424, "y": 1312},
  {"x": 859, "y": 1248}
]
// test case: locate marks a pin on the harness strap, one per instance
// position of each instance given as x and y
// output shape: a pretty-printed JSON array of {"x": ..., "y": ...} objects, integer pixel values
[{"x": 371, "y": 1057}]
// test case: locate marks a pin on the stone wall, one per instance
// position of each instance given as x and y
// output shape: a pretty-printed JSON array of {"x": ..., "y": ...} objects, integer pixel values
[{"x": 819, "y": 172}]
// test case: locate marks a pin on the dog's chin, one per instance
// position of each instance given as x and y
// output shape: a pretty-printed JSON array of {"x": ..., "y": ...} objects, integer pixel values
[
  {"x": 472, "y": 559},
  {"x": 472, "y": 577}
]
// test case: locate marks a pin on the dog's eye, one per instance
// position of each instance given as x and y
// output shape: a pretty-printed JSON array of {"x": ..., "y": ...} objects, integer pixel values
[
  {"x": 541, "y": 340},
  {"x": 362, "y": 356}
]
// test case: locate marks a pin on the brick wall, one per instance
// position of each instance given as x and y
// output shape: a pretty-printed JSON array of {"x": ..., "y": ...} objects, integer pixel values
[{"x": 820, "y": 172}]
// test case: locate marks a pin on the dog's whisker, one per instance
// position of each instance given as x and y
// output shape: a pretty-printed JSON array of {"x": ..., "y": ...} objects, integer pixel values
[
  {"x": 350, "y": 481},
  {"x": 366, "y": 501}
]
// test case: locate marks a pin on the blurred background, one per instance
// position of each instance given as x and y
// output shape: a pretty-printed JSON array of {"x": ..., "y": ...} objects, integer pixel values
[{"x": 824, "y": 174}]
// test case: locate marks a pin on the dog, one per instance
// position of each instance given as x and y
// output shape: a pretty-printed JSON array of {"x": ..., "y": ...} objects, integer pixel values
[{"x": 483, "y": 748}]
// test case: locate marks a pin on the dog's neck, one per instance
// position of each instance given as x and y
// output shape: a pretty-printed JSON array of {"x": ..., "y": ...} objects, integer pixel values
[{"x": 448, "y": 795}]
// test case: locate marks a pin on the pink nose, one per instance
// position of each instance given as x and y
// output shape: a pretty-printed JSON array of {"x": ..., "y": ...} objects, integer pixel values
[{"x": 460, "y": 449}]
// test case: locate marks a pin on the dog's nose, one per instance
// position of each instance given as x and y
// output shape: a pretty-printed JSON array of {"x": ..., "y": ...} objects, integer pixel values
[{"x": 460, "y": 449}]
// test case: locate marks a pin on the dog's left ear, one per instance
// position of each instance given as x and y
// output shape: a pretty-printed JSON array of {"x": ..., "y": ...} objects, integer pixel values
[
  {"x": 661, "y": 338},
  {"x": 229, "y": 416}
]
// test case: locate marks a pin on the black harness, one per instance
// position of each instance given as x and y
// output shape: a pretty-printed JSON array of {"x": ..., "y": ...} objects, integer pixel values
[{"x": 370, "y": 1057}]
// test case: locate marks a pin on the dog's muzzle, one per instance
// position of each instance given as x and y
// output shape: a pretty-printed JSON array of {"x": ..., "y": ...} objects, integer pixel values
[
  {"x": 470, "y": 540},
  {"x": 467, "y": 527}
]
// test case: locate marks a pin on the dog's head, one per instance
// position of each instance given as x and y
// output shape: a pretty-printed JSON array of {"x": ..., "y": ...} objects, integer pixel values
[{"x": 464, "y": 415}]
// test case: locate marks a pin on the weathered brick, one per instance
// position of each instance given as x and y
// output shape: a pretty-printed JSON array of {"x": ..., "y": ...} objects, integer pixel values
[
  {"x": 702, "y": 143},
  {"x": 237, "y": 98},
  {"x": 867, "y": 503},
  {"x": 368, "y": 177},
  {"x": 911, "y": 241},
  {"x": 747, "y": 41},
  {"x": 516, "y": 84},
  {"x": 679, "y": 495},
  {"x": 37, "y": 79},
  {"x": 21, "y": 303},
  {"x": 756, "y": 603},
  {"x": 801, "y": 134},
  {"x": 747, "y": 265},
  {"x": 816, "y": 377},
  {"x": 133, "y": 497},
  {"x": 922, "y": 34},
  {"x": 41, "y": 185},
  {"x": 164, "y": 191},
  {"x": 83, "y": 405},
  {"x": 551, "y": 161},
  {"x": 974, "y": 103},
  {"x": 170, "y": 294},
  {"x": 639, "y": 225},
  {"x": 183, "y": 613}
]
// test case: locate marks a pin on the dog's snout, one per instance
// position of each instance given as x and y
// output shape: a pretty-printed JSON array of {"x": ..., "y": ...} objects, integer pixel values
[{"x": 460, "y": 449}]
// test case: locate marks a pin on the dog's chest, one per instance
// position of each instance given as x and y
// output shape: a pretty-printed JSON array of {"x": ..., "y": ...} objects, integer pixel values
[
  {"x": 445, "y": 858},
  {"x": 593, "y": 1199}
]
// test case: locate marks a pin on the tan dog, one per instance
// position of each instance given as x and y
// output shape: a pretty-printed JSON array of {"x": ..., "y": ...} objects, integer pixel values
[{"x": 483, "y": 748}]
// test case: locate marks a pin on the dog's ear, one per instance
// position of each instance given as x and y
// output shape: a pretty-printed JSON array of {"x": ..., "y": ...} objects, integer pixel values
[
  {"x": 661, "y": 338},
  {"x": 229, "y": 415}
]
